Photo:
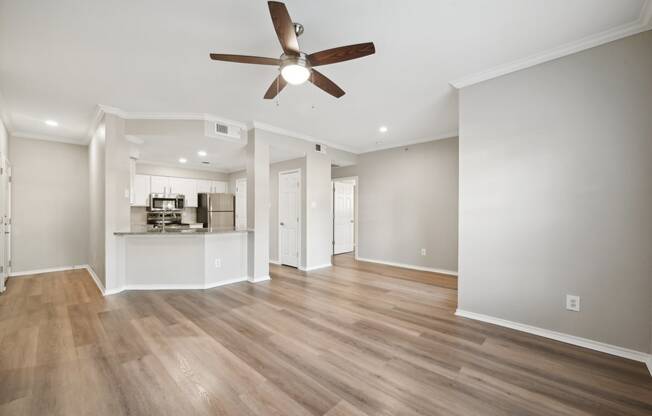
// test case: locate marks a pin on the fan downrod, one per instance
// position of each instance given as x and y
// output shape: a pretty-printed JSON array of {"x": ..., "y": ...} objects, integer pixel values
[{"x": 298, "y": 29}]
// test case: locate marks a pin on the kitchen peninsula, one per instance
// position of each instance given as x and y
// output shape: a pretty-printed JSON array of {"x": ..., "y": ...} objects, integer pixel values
[{"x": 181, "y": 258}]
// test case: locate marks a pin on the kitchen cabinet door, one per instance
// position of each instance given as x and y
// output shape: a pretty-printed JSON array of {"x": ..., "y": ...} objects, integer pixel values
[
  {"x": 219, "y": 187},
  {"x": 204, "y": 186},
  {"x": 186, "y": 187},
  {"x": 160, "y": 185},
  {"x": 141, "y": 190}
]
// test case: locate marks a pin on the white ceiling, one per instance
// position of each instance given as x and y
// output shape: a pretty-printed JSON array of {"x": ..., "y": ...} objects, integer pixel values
[
  {"x": 60, "y": 59},
  {"x": 222, "y": 155}
]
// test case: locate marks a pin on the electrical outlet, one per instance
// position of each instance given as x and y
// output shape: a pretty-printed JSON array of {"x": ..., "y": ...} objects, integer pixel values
[
  {"x": 573, "y": 303},
  {"x": 423, "y": 251},
  {"x": 218, "y": 263}
]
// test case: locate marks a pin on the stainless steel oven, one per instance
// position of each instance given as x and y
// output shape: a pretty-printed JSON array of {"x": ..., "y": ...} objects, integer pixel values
[{"x": 166, "y": 202}]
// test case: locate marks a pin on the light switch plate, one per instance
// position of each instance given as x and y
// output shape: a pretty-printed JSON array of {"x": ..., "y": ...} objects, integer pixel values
[{"x": 573, "y": 303}]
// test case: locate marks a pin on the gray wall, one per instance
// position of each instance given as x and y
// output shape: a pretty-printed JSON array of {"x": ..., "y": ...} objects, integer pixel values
[
  {"x": 96, "y": 203},
  {"x": 49, "y": 204},
  {"x": 556, "y": 194},
  {"x": 408, "y": 200}
]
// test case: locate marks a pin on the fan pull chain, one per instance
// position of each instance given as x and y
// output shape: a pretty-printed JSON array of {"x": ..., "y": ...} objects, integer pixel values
[{"x": 278, "y": 78}]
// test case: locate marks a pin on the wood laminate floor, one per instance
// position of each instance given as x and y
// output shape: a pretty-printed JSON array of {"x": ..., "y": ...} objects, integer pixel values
[{"x": 355, "y": 339}]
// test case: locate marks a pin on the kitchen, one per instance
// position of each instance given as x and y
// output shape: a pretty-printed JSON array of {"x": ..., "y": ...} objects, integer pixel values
[{"x": 187, "y": 232}]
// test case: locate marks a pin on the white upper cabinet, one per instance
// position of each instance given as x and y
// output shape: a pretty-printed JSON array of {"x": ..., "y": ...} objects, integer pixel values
[
  {"x": 141, "y": 190},
  {"x": 203, "y": 186},
  {"x": 186, "y": 187},
  {"x": 219, "y": 187},
  {"x": 143, "y": 185},
  {"x": 160, "y": 185}
]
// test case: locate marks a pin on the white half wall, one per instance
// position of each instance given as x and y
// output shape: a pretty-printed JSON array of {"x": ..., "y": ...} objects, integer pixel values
[{"x": 556, "y": 195}]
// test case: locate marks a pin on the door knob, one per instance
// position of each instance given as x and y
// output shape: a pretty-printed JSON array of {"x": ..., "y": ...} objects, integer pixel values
[{"x": 282, "y": 223}]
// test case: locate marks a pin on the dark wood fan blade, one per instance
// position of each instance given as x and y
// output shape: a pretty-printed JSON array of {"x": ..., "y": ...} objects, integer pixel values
[
  {"x": 244, "y": 59},
  {"x": 341, "y": 54},
  {"x": 284, "y": 27},
  {"x": 326, "y": 84},
  {"x": 276, "y": 87}
]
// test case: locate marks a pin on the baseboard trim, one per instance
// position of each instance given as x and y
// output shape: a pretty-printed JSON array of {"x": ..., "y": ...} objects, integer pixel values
[
  {"x": 47, "y": 270},
  {"x": 179, "y": 286},
  {"x": 321, "y": 266},
  {"x": 259, "y": 279},
  {"x": 278, "y": 263},
  {"x": 95, "y": 278},
  {"x": 409, "y": 266},
  {"x": 560, "y": 336}
]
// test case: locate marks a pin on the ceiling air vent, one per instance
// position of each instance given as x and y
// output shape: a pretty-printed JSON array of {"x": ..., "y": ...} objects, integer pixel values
[{"x": 223, "y": 130}]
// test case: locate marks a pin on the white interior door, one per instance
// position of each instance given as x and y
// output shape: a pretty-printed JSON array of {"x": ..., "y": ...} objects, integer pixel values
[
  {"x": 241, "y": 204},
  {"x": 343, "y": 217},
  {"x": 289, "y": 215}
]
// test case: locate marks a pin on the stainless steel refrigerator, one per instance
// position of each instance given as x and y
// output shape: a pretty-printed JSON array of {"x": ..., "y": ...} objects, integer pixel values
[{"x": 216, "y": 211}]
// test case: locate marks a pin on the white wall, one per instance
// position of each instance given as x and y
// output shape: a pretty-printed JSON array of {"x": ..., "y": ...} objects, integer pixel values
[
  {"x": 408, "y": 200},
  {"x": 117, "y": 203},
  {"x": 96, "y": 203},
  {"x": 556, "y": 194},
  {"x": 274, "y": 170},
  {"x": 157, "y": 170},
  {"x": 49, "y": 204}
]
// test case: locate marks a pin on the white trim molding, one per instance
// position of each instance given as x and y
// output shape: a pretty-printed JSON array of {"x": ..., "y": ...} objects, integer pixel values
[
  {"x": 95, "y": 278},
  {"x": 559, "y": 336},
  {"x": 48, "y": 137},
  {"x": 409, "y": 266},
  {"x": 259, "y": 279},
  {"x": 394, "y": 145},
  {"x": 284, "y": 132},
  {"x": 309, "y": 269},
  {"x": 641, "y": 24},
  {"x": 29, "y": 273},
  {"x": 272, "y": 261}
]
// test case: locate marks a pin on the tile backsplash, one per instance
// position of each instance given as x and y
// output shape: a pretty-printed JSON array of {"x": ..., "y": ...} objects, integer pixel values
[{"x": 139, "y": 215}]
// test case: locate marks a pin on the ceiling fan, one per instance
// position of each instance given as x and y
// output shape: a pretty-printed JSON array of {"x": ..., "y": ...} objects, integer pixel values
[{"x": 295, "y": 66}]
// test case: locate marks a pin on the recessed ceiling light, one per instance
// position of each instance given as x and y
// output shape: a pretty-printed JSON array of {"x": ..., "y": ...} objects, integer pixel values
[
  {"x": 182, "y": 160},
  {"x": 51, "y": 123},
  {"x": 202, "y": 153},
  {"x": 383, "y": 129}
]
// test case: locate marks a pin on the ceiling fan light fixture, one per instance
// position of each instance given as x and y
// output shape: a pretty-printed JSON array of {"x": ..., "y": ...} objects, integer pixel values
[
  {"x": 294, "y": 69},
  {"x": 295, "y": 74}
]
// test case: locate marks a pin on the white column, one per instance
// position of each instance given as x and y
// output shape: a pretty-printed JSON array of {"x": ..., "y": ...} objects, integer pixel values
[
  {"x": 258, "y": 207},
  {"x": 117, "y": 207},
  {"x": 318, "y": 241}
]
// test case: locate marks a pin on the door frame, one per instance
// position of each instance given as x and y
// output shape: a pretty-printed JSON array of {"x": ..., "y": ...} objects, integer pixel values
[
  {"x": 278, "y": 216},
  {"x": 6, "y": 220},
  {"x": 356, "y": 184}
]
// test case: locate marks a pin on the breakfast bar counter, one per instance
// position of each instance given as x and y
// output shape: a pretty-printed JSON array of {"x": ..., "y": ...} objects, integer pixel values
[{"x": 181, "y": 258}]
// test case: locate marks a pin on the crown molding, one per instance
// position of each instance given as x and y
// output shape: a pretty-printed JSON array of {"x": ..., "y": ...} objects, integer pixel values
[
  {"x": 47, "y": 137},
  {"x": 387, "y": 146},
  {"x": 279, "y": 130},
  {"x": 127, "y": 115},
  {"x": 641, "y": 24}
]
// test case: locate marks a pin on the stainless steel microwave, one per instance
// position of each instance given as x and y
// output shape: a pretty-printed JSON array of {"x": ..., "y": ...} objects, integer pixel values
[{"x": 166, "y": 202}]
